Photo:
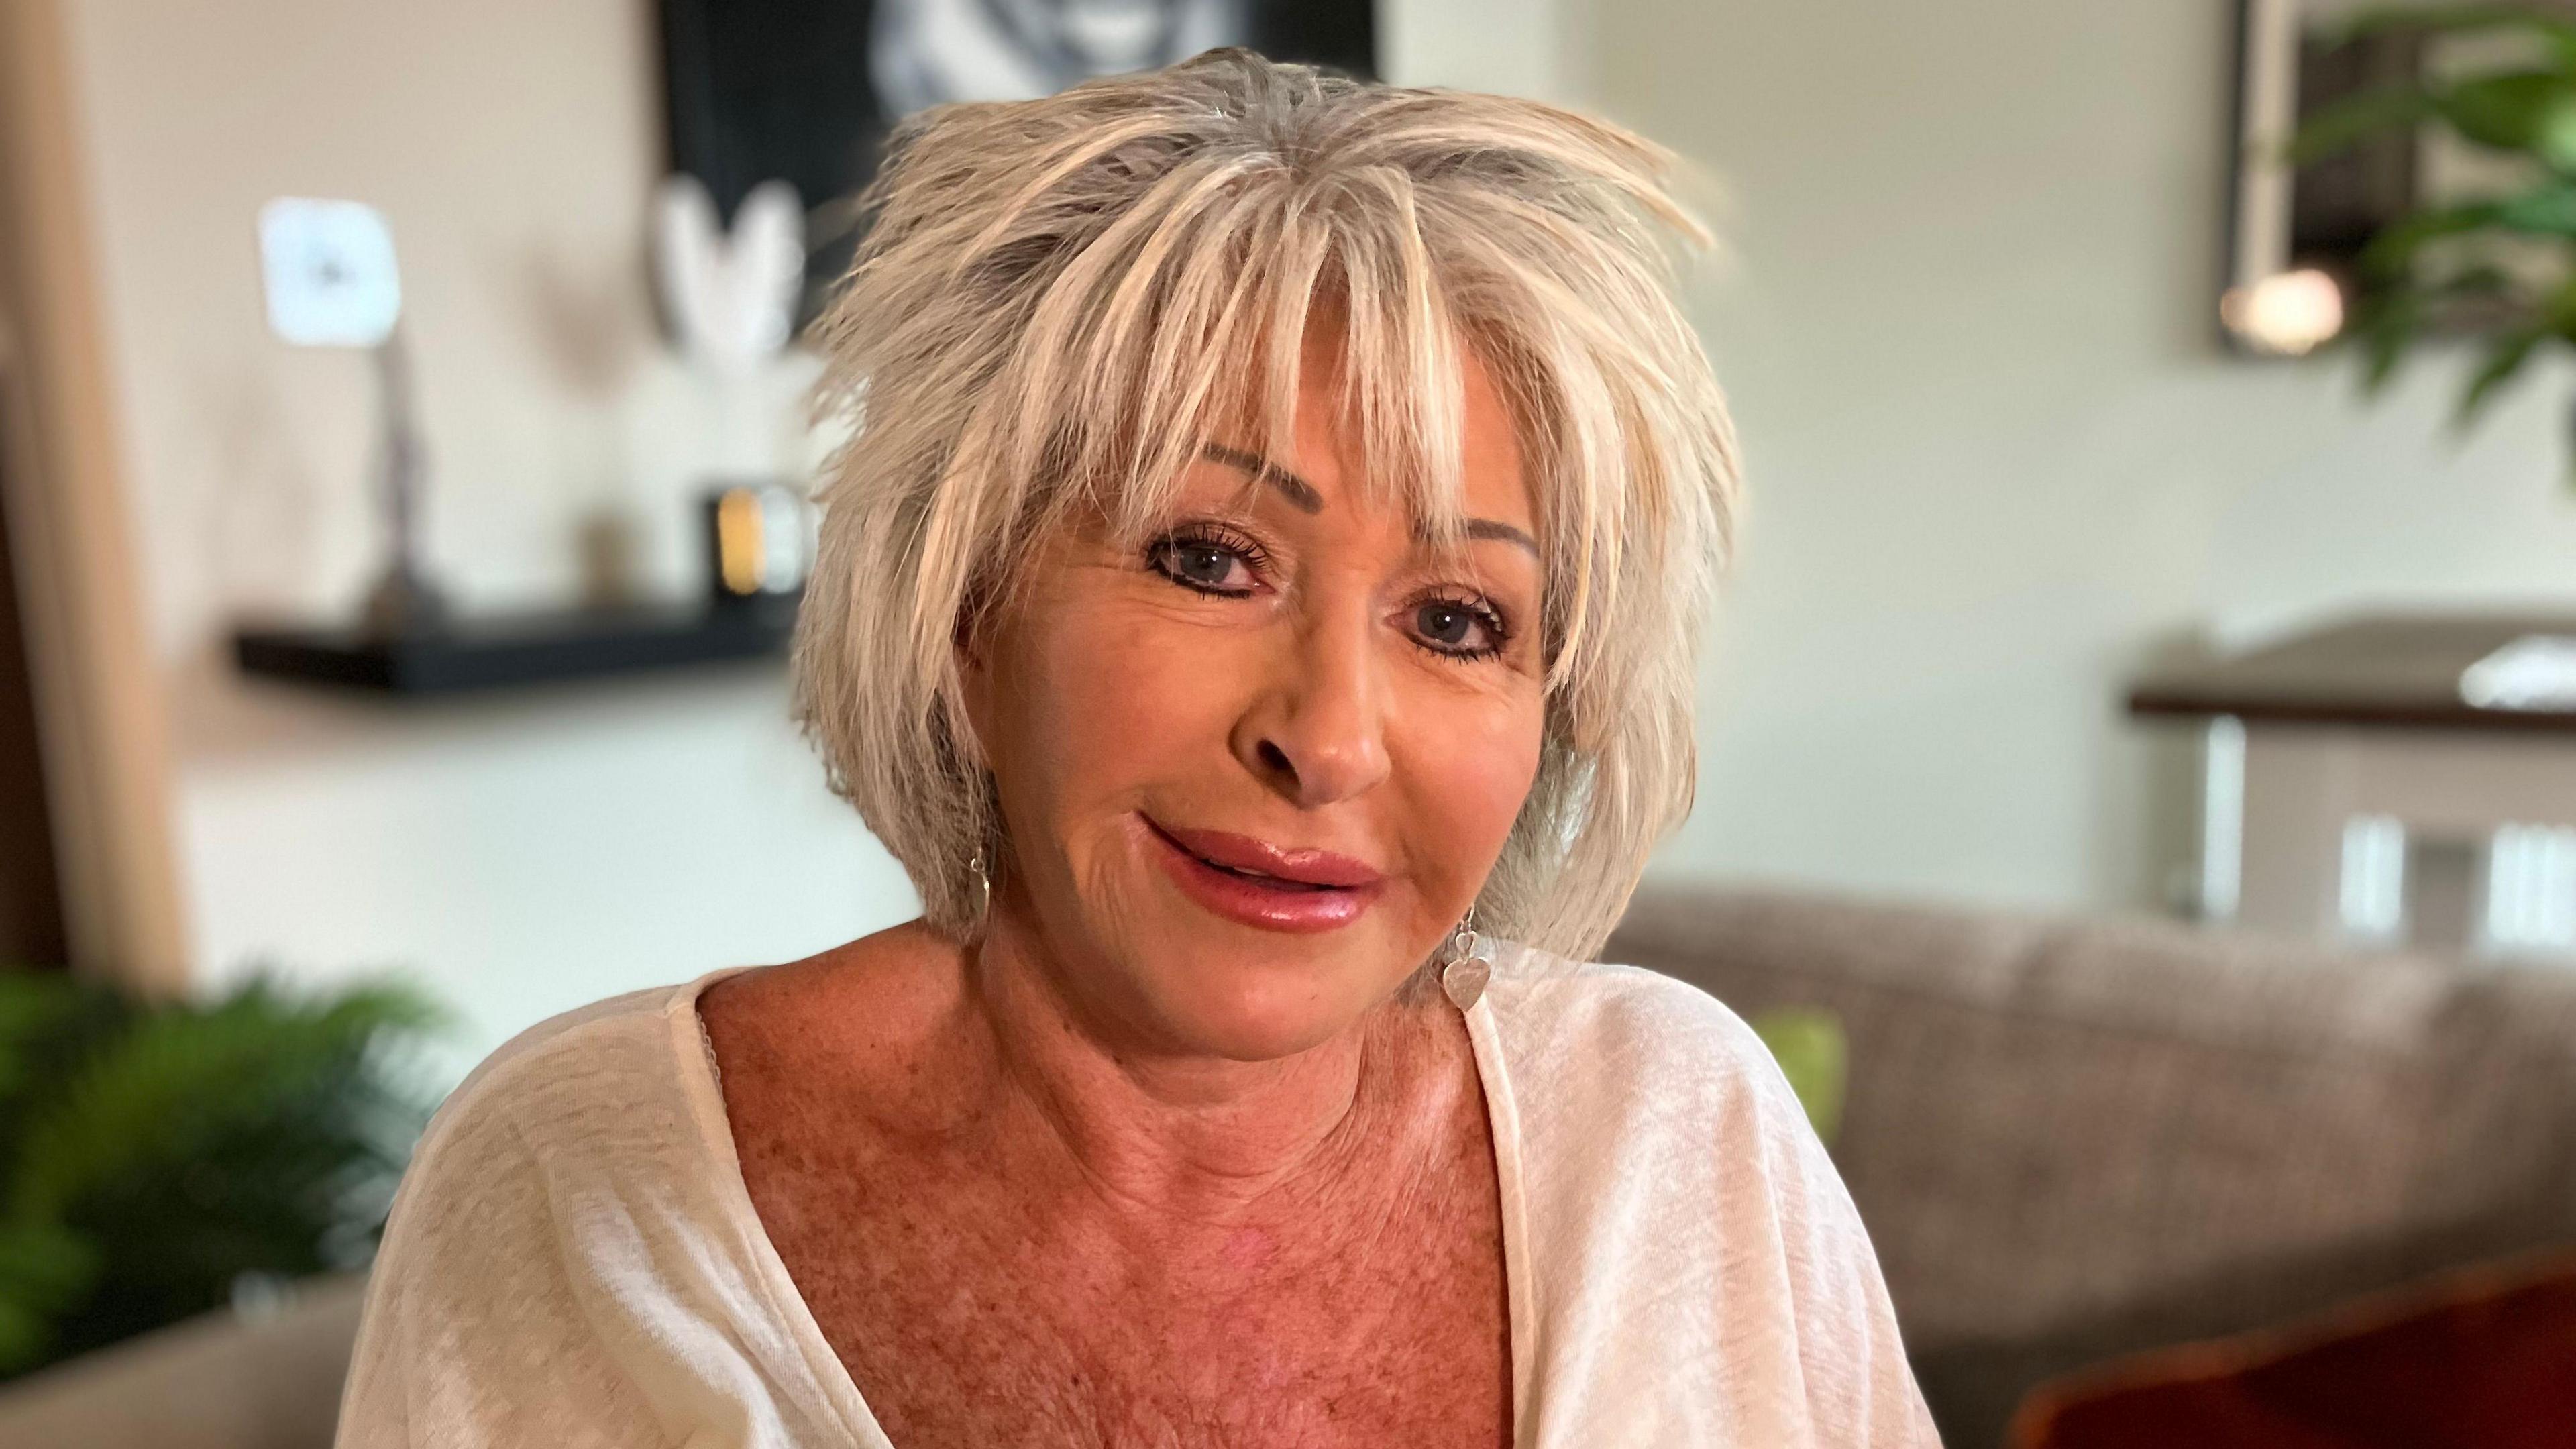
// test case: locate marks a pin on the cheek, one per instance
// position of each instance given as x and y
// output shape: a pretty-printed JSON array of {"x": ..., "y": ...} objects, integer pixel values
[
  {"x": 1466, "y": 765},
  {"x": 1098, "y": 698}
]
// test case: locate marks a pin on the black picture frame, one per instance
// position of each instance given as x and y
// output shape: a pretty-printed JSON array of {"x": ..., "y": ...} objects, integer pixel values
[
  {"x": 2318, "y": 216},
  {"x": 2295, "y": 58},
  {"x": 756, "y": 89}
]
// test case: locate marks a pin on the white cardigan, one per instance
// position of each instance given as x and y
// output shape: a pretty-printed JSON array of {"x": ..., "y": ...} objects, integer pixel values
[{"x": 574, "y": 1259}]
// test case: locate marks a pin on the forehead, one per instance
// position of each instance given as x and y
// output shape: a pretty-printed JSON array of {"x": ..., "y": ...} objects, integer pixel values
[
  {"x": 1328, "y": 442},
  {"x": 1400, "y": 415}
]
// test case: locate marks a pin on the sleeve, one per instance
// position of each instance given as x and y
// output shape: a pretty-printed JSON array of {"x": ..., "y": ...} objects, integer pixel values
[
  {"x": 1859, "y": 1388},
  {"x": 1705, "y": 1277},
  {"x": 473, "y": 1335}
]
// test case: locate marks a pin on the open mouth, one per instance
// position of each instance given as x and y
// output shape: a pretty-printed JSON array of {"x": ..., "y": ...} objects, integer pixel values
[
  {"x": 1259, "y": 878},
  {"x": 1260, "y": 885}
]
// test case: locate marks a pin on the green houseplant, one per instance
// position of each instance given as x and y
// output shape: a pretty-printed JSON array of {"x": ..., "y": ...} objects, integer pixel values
[
  {"x": 2503, "y": 263},
  {"x": 157, "y": 1156},
  {"x": 1809, "y": 1046}
]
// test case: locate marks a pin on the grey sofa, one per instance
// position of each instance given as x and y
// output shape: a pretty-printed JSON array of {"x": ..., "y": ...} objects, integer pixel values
[
  {"x": 2074, "y": 1140},
  {"x": 2069, "y": 1140}
]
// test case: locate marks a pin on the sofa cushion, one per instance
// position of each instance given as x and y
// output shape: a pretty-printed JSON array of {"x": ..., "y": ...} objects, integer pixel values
[
  {"x": 220, "y": 1381},
  {"x": 2481, "y": 1359},
  {"x": 2071, "y": 1140}
]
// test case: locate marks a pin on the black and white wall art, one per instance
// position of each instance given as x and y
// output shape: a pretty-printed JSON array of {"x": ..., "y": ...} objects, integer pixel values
[{"x": 805, "y": 91}]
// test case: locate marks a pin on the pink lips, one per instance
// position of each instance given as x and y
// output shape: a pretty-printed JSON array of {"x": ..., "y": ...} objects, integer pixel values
[{"x": 1259, "y": 884}]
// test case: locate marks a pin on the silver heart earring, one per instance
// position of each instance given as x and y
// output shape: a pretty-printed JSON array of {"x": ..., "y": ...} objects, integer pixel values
[{"x": 1470, "y": 965}]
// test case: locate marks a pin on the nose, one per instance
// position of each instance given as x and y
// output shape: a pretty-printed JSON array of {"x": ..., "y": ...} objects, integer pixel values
[{"x": 1316, "y": 731}]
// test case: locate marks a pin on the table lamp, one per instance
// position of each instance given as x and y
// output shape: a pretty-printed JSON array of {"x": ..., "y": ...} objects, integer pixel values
[{"x": 330, "y": 279}]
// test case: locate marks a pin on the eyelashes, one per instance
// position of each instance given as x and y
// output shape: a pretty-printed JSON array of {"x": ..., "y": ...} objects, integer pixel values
[
  {"x": 1208, "y": 557},
  {"x": 1439, "y": 617},
  {"x": 1212, "y": 559}
]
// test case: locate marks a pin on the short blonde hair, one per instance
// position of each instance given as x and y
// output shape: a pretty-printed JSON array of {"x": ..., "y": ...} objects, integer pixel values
[{"x": 1053, "y": 311}]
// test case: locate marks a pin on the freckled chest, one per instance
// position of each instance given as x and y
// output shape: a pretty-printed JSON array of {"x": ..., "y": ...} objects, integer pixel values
[{"x": 976, "y": 1310}]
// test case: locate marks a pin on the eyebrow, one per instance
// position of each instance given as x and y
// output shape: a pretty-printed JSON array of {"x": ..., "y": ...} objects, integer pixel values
[
  {"x": 1304, "y": 497},
  {"x": 1297, "y": 490},
  {"x": 1495, "y": 528}
]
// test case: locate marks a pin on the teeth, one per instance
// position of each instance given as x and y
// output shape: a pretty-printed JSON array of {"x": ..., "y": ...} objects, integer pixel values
[
  {"x": 1241, "y": 870},
  {"x": 1262, "y": 875},
  {"x": 1248, "y": 873}
]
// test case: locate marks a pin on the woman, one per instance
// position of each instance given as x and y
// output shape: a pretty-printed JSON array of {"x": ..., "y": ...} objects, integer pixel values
[{"x": 1262, "y": 580}]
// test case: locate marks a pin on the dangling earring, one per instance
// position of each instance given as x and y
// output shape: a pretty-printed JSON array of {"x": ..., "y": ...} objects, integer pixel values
[
  {"x": 1470, "y": 963},
  {"x": 983, "y": 887}
]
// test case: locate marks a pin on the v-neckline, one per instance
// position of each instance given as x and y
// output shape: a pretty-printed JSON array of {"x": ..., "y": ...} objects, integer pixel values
[{"x": 698, "y": 1071}]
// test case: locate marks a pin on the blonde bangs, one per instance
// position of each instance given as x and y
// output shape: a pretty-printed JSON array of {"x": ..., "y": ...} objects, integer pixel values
[{"x": 1063, "y": 301}]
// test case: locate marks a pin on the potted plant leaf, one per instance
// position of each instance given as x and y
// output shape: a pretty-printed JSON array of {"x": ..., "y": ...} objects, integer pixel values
[
  {"x": 2500, "y": 263},
  {"x": 158, "y": 1157}
]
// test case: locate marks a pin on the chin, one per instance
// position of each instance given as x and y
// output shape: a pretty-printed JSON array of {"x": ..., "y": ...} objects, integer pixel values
[{"x": 1257, "y": 1006}]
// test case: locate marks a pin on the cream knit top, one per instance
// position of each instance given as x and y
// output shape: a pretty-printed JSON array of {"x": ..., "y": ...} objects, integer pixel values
[{"x": 574, "y": 1260}]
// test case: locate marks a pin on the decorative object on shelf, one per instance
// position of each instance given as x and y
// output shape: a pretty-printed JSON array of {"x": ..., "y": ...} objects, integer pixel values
[
  {"x": 730, "y": 296},
  {"x": 2435, "y": 190},
  {"x": 165, "y": 1158},
  {"x": 756, "y": 89},
  {"x": 730, "y": 300},
  {"x": 759, "y": 541},
  {"x": 505, "y": 650},
  {"x": 331, "y": 280}
]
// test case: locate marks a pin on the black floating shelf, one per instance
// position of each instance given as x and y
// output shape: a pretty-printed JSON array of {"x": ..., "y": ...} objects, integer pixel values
[{"x": 500, "y": 650}]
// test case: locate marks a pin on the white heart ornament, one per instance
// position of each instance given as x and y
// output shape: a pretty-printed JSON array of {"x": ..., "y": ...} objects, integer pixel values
[{"x": 731, "y": 297}]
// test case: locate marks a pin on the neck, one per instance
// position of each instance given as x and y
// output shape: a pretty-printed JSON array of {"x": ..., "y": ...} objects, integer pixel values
[{"x": 1161, "y": 1131}]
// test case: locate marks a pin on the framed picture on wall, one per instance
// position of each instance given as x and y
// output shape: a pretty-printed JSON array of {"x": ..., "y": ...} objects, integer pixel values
[
  {"x": 2296, "y": 233},
  {"x": 807, "y": 90}
]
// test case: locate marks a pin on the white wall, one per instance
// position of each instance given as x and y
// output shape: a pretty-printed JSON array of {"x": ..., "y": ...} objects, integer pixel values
[
  {"x": 517, "y": 855},
  {"x": 1995, "y": 454}
]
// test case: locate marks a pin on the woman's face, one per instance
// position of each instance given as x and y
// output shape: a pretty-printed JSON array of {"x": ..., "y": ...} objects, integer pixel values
[{"x": 1254, "y": 770}]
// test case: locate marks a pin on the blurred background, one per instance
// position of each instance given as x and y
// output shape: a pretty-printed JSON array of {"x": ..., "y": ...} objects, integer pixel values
[{"x": 2138, "y": 761}]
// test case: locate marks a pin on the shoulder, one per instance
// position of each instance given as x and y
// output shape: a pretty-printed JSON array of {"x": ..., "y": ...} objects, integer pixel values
[
  {"x": 538, "y": 1225},
  {"x": 566, "y": 1079},
  {"x": 1601, "y": 993},
  {"x": 611, "y": 1102},
  {"x": 1688, "y": 1209},
  {"x": 1617, "y": 1068},
  {"x": 1625, "y": 1034}
]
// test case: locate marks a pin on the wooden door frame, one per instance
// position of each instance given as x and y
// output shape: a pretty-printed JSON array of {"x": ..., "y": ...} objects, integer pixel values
[
  {"x": 31, "y": 888},
  {"x": 100, "y": 711}
]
